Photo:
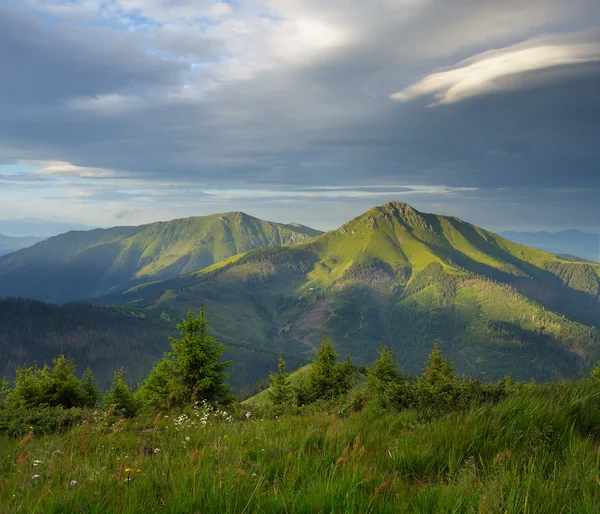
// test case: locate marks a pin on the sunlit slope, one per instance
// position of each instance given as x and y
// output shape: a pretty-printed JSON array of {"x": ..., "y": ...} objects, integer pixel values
[
  {"x": 80, "y": 265},
  {"x": 403, "y": 278}
]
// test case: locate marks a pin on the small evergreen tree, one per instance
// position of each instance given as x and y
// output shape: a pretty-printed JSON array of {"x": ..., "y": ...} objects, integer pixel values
[
  {"x": 27, "y": 392},
  {"x": 327, "y": 378},
  {"x": 91, "y": 391},
  {"x": 60, "y": 385},
  {"x": 158, "y": 390},
  {"x": 121, "y": 396},
  {"x": 192, "y": 371},
  {"x": 438, "y": 369},
  {"x": 280, "y": 392},
  {"x": 198, "y": 373},
  {"x": 383, "y": 378}
]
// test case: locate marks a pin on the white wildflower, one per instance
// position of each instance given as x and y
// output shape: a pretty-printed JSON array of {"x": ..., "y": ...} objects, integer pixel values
[
  {"x": 73, "y": 483},
  {"x": 156, "y": 450},
  {"x": 35, "y": 477}
]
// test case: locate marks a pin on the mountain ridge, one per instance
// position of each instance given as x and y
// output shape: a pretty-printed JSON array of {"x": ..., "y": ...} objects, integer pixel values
[{"x": 85, "y": 264}]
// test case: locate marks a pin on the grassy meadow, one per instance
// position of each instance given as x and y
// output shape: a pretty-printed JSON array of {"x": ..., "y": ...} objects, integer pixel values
[{"x": 534, "y": 452}]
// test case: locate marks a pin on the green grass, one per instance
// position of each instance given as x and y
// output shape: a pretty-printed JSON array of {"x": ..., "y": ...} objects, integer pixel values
[{"x": 535, "y": 452}]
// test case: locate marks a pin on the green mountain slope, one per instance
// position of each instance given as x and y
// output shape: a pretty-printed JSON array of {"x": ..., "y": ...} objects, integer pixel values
[
  {"x": 12, "y": 244},
  {"x": 406, "y": 279},
  {"x": 79, "y": 265}
]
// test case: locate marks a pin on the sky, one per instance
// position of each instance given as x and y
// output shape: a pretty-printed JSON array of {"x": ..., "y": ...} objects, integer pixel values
[{"x": 121, "y": 112}]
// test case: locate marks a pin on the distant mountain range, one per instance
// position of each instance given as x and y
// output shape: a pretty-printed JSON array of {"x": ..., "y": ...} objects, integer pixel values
[
  {"x": 567, "y": 242},
  {"x": 12, "y": 244},
  {"x": 32, "y": 227},
  {"x": 393, "y": 275},
  {"x": 79, "y": 265}
]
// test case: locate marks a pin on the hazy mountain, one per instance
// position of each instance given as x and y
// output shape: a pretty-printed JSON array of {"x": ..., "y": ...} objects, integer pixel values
[
  {"x": 12, "y": 244},
  {"x": 79, "y": 265},
  {"x": 406, "y": 279},
  {"x": 568, "y": 242},
  {"x": 38, "y": 228}
]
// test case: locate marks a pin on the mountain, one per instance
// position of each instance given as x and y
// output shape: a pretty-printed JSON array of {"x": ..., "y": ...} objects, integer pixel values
[
  {"x": 406, "y": 279},
  {"x": 567, "y": 242},
  {"x": 79, "y": 265},
  {"x": 12, "y": 244},
  {"x": 38, "y": 228}
]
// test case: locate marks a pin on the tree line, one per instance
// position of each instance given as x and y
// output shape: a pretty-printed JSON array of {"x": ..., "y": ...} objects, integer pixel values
[{"x": 193, "y": 372}]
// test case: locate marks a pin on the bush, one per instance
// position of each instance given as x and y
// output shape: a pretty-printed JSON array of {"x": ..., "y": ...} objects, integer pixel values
[
  {"x": 42, "y": 420},
  {"x": 54, "y": 386}
]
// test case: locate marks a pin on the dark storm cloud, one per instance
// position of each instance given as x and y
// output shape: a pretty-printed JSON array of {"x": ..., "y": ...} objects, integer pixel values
[{"x": 209, "y": 109}]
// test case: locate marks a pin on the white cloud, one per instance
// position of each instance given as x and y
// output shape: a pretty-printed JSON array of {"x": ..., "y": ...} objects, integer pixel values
[
  {"x": 64, "y": 169},
  {"x": 483, "y": 73}
]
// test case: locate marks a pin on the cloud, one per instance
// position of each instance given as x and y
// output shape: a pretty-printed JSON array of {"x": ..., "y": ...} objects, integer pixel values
[
  {"x": 155, "y": 102},
  {"x": 483, "y": 73}
]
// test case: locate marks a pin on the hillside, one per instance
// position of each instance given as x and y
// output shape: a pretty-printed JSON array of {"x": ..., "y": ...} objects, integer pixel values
[
  {"x": 105, "y": 338},
  {"x": 406, "y": 279},
  {"x": 101, "y": 337},
  {"x": 568, "y": 242},
  {"x": 79, "y": 265},
  {"x": 12, "y": 244}
]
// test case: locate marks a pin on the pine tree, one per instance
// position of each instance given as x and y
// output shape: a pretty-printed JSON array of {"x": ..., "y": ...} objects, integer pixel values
[
  {"x": 158, "y": 390},
  {"x": 280, "y": 392},
  {"x": 91, "y": 391},
  {"x": 438, "y": 368},
  {"x": 383, "y": 377},
  {"x": 327, "y": 379},
  {"x": 121, "y": 396},
  {"x": 196, "y": 356},
  {"x": 191, "y": 372},
  {"x": 60, "y": 385}
]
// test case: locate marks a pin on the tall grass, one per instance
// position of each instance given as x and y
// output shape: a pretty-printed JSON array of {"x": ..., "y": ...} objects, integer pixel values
[{"x": 534, "y": 452}]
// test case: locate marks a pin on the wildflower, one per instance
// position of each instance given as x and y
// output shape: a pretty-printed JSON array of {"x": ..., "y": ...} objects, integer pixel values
[
  {"x": 118, "y": 458},
  {"x": 248, "y": 415},
  {"x": 138, "y": 470},
  {"x": 128, "y": 470},
  {"x": 187, "y": 439},
  {"x": 35, "y": 477},
  {"x": 156, "y": 450},
  {"x": 126, "y": 456},
  {"x": 36, "y": 463},
  {"x": 73, "y": 483},
  {"x": 127, "y": 480},
  {"x": 225, "y": 436}
]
